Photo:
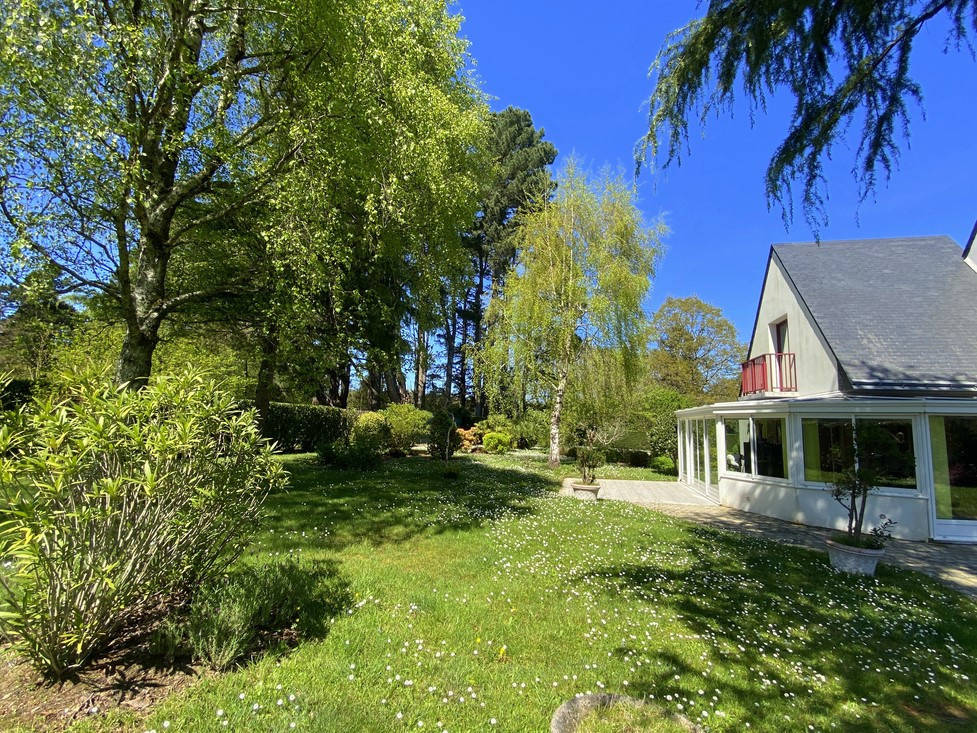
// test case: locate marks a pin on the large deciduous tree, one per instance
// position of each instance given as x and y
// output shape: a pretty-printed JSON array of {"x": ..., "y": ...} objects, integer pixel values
[
  {"x": 844, "y": 63},
  {"x": 585, "y": 264},
  {"x": 130, "y": 131},
  {"x": 696, "y": 348}
]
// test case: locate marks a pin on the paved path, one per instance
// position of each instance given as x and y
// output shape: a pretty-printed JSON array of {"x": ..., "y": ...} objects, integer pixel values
[{"x": 955, "y": 565}]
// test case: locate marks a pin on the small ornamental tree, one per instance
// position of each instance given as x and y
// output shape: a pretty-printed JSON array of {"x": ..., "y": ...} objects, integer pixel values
[{"x": 876, "y": 454}]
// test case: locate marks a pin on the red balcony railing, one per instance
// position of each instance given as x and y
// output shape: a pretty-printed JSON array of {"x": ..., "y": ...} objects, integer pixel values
[{"x": 770, "y": 373}]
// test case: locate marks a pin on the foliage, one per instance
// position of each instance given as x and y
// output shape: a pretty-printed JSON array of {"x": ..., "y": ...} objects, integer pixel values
[
  {"x": 585, "y": 265},
  {"x": 469, "y": 438},
  {"x": 589, "y": 459},
  {"x": 136, "y": 496},
  {"x": 844, "y": 63},
  {"x": 696, "y": 347},
  {"x": 600, "y": 398},
  {"x": 305, "y": 427},
  {"x": 368, "y": 438},
  {"x": 371, "y": 436},
  {"x": 497, "y": 442},
  {"x": 876, "y": 453},
  {"x": 531, "y": 429},
  {"x": 653, "y": 417},
  {"x": 14, "y": 393},
  {"x": 132, "y": 136},
  {"x": 408, "y": 425},
  {"x": 495, "y": 423},
  {"x": 443, "y": 439},
  {"x": 36, "y": 320},
  {"x": 664, "y": 464},
  {"x": 253, "y": 607}
]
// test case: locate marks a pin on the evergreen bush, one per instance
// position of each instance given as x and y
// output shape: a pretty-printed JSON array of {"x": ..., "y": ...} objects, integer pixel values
[
  {"x": 497, "y": 442},
  {"x": 443, "y": 439},
  {"x": 408, "y": 426}
]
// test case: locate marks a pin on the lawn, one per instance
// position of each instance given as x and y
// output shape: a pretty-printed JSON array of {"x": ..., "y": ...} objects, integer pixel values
[{"x": 483, "y": 602}]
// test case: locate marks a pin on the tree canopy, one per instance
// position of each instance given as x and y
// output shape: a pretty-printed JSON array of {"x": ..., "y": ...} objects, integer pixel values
[
  {"x": 845, "y": 64},
  {"x": 696, "y": 350},
  {"x": 131, "y": 133}
]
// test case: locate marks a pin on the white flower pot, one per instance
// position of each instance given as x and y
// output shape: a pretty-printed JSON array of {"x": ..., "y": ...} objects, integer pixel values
[
  {"x": 587, "y": 492},
  {"x": 854, "y": 560}
]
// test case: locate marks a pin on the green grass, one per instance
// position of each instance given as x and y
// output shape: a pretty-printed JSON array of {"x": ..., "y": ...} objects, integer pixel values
[{"x": 487, "y": 598}]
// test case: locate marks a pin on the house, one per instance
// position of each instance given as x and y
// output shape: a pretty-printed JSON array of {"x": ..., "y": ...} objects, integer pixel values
[{"x": 850, "y": 333}]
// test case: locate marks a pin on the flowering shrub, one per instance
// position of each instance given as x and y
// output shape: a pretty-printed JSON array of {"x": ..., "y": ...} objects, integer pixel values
[
  {"x": 470, "y": 438},
  {"x": 118, "y": 499},
  {"x": 497, "y": 442},
  {"x": 408, "y": 426}
]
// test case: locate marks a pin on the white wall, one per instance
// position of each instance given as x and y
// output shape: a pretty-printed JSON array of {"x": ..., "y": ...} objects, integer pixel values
[
  {"x": 817, "y": 508},
  {"x": 817, "y": 372}
]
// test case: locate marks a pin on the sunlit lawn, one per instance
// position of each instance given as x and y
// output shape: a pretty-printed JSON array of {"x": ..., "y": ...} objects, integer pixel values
[{"x": 484, "y": 602}]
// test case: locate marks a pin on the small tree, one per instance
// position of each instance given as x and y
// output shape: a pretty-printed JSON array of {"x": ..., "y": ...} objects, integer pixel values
[{"x": 876, "y": 454}]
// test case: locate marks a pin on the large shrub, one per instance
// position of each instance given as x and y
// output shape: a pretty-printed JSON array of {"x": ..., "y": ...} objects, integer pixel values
[
  {"x": 305, "y": 427},
  {"x": 497, "y": 442},
  {"x": 116, "y": 500},
  {"x": 408, "y": 426},
  {"x": 368, "y": 439},
  {"x": 443, "y": 439}
]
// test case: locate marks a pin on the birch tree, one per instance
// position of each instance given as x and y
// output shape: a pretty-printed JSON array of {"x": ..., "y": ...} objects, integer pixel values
[{"x": 586, "y": 263}]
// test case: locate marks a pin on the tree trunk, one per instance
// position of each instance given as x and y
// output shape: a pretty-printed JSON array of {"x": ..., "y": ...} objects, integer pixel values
[
  {"x": 479, "y": 387},
  {"x": 555, "y": 415},
  {"x": 462, "y": 361},
  {"x": 136, "y": 359},
  {"x": 336, "y": 393},
  {"x": 420, "y": 368},
  {"x": 143, "y": 300},
  {"x": 396, "y": 386},
  {"x": 449, "y": 348},
  {"x": 266, "y": 372}
]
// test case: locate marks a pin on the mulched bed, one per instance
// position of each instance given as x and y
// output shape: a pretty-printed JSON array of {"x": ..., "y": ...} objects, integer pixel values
[{"x": 120, "y": 680}]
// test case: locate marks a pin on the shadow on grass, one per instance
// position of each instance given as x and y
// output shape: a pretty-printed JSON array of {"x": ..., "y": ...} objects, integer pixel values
[
  {"x": 783, "y": 625},
  {"x": 395, "y": 501}
]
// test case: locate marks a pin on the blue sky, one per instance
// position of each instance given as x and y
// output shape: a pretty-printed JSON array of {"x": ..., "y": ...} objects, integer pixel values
[{"x": 581, "y": 68}]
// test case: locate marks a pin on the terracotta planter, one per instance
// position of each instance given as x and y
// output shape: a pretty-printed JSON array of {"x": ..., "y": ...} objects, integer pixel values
[
  {"x": 587, "y": 492},
  {"x": 854, "y": 560}
]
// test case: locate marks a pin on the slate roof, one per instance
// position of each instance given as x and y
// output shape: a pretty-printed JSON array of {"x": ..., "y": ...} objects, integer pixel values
[{"x": 899, "y": 314}]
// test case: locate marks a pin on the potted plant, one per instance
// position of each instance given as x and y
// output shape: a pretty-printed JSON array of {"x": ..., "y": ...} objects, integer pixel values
[
  {"x": 857, "y": 551},
  {"x": 589, "y": 459}
]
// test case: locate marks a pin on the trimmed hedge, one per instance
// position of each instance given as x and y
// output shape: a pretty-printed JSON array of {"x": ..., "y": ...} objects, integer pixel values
[{"x": 304, "y": 428}]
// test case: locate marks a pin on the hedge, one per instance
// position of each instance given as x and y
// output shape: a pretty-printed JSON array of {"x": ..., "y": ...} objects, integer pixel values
[{"x": 304, "y": 427}]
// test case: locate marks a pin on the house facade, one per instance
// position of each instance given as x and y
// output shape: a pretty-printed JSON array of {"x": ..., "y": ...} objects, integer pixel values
[{"x": 848, "y": 335}]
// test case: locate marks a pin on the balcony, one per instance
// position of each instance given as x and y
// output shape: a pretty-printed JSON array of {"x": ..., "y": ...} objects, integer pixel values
[{"x": 769, "y": 373}]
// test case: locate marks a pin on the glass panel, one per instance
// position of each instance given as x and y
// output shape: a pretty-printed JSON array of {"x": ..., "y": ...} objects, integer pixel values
[
  {"x": 954, "y": 444},
  {"x": 771, "y": 448},
  {"x": 713, "y": 454},
  {"x": 680, "y": 448},
  {"x": 700, "y": 453},
  {"x": 738, "y": 454},
  {"x": 892, "y": 447},
  {"x": 828, "y": 447}
]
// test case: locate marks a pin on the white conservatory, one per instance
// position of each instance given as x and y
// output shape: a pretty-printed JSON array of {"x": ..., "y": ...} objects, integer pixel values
[{"x": 880, "y": 331}]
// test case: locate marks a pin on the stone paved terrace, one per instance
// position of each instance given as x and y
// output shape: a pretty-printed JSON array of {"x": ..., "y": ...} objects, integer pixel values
[{"x": 954, "y": 564}]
